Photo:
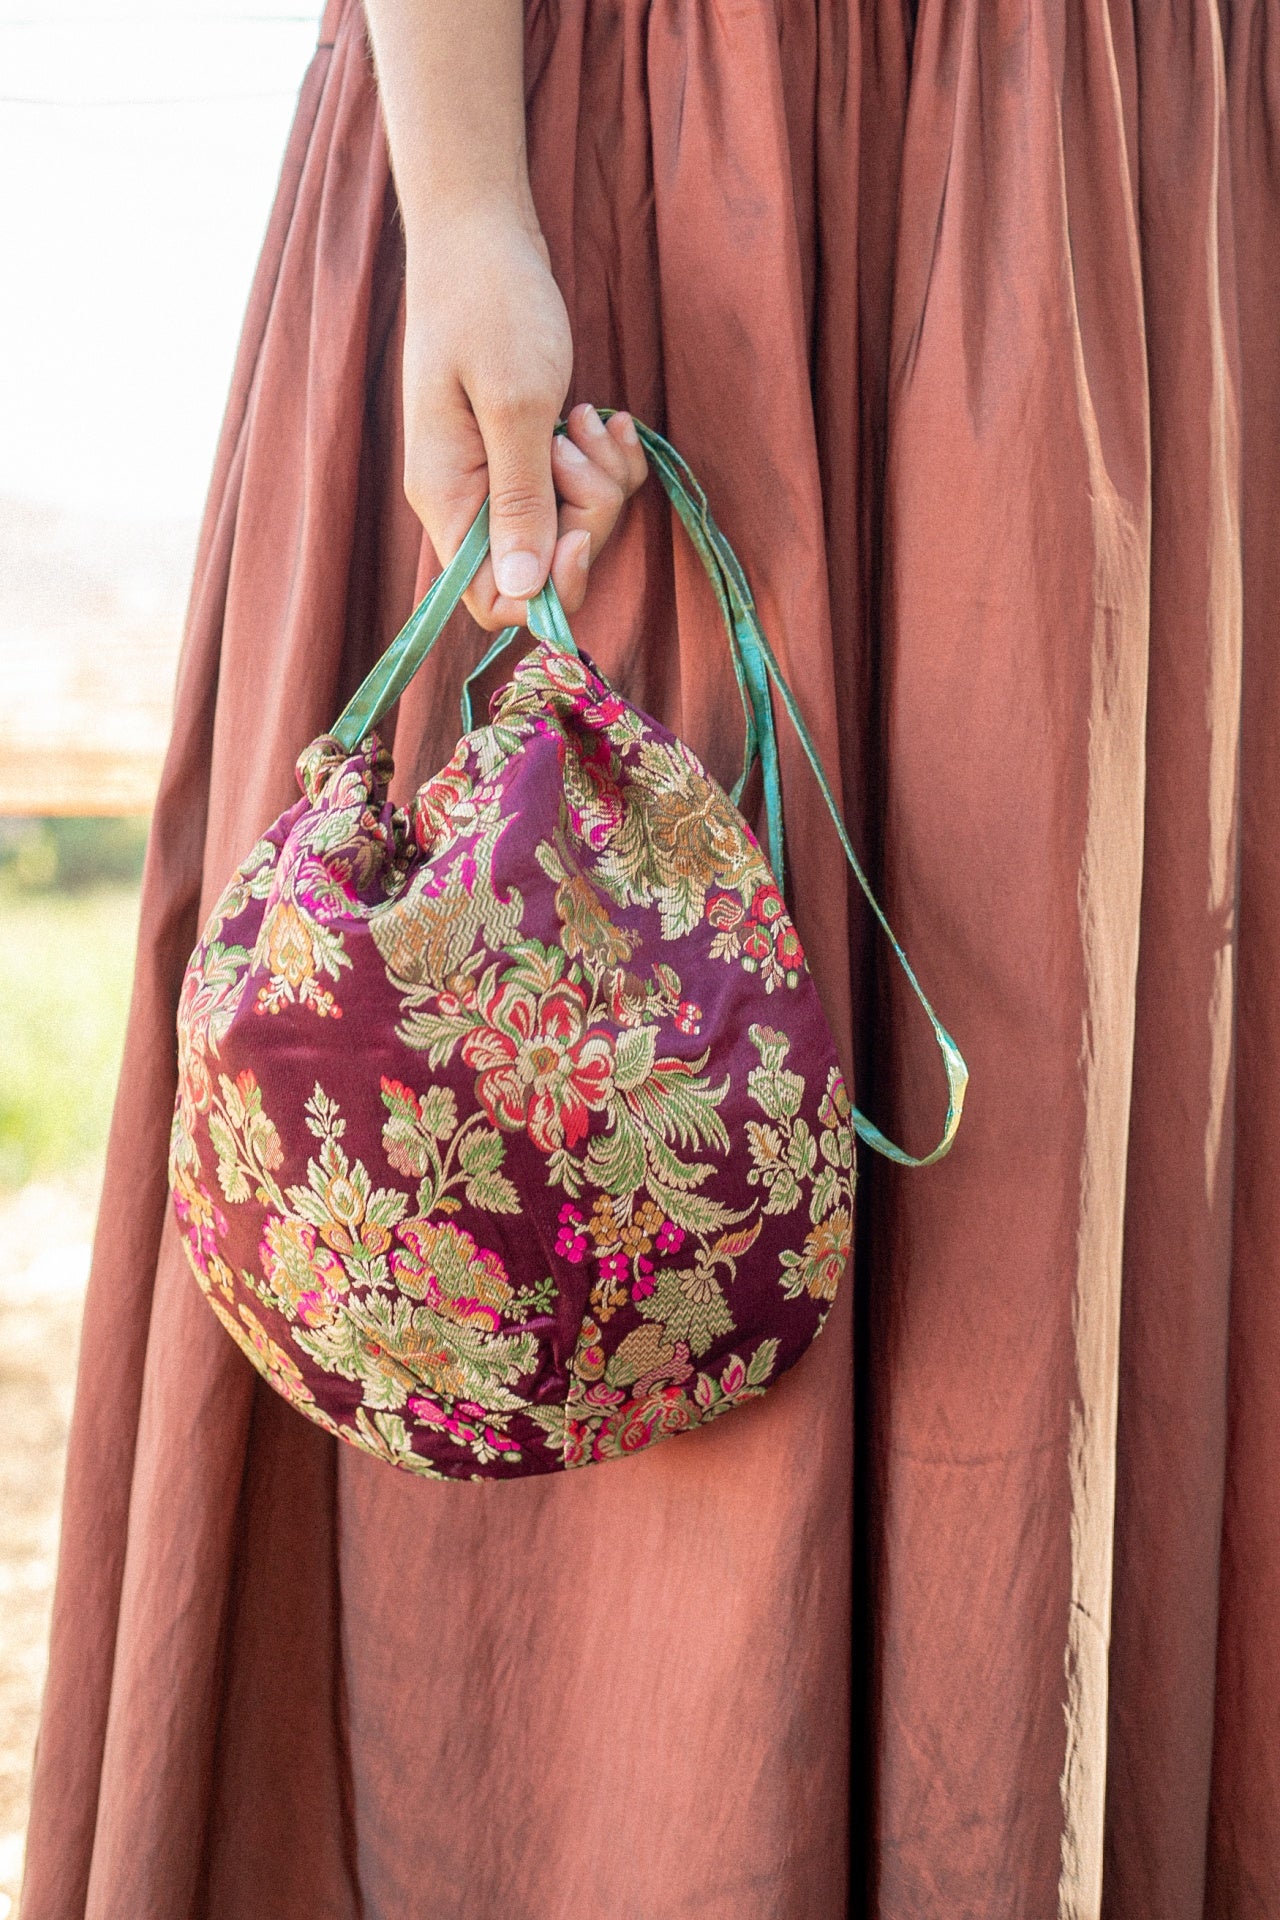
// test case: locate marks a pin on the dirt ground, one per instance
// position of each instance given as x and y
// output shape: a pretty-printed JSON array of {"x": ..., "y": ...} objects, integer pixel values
[{"x": 45, "y": 1231}]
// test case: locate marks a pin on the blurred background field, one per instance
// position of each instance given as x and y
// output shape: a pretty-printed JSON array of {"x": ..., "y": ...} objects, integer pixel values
[
  {"x": 140, "y": 142},
  {"x": 68, "y": 921}
]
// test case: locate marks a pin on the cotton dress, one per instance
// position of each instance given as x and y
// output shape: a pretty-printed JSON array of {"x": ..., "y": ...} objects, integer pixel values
[{"x": 965, "y": 312}]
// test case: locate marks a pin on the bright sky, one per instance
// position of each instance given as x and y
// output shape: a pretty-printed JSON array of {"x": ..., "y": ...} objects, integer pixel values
[{"x": 140, "y": 142}]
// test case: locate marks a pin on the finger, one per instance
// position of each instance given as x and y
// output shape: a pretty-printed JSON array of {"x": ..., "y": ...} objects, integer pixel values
[
  {"x": 490, "y": 609},
  {"x": 571, "y": 566},
  {"x": 590, "y": 502},
  {"x": 583, "y": 486},
  {"x": 522, "y": 501},
  {"x": 622, "y": 428},
  {"x": 446, "y": 479},
  {"x": 614, "y": 446}
]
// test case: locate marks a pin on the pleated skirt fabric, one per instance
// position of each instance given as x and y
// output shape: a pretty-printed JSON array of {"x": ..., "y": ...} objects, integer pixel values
[{"x": 966, "y": 314}]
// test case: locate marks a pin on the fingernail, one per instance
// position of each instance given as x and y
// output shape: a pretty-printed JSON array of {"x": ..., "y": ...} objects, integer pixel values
[
  {"x": 518, "y": 574},
  {"x": 628, "y": 431},
  {"x": 582, "y": 551},
  {"x": 570, "y": 451},
  {"x": 592, "y": 422}
]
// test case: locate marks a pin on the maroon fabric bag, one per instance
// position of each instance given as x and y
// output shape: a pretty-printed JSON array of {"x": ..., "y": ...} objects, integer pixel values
[{"x": 510, "y": 1134}]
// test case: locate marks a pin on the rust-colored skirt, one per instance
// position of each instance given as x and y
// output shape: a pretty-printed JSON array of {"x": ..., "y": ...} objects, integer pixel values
[{"x": 966, "y": 313}]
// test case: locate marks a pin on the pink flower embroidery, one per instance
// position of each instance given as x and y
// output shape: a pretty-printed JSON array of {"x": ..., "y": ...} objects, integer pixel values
[
  {"x": 539, "y": 1066},
  {"x": 442, "y": 1266},
  {"x": 613, "y": 1268},
  {"x": 571, "y": 1245}
]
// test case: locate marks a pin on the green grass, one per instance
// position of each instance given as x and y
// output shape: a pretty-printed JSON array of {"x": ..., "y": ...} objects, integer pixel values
[{"x": 66, "y": 963}]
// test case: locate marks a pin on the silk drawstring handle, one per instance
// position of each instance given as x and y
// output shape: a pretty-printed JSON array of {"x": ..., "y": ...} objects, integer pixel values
[{"x": 756, "y": 670}]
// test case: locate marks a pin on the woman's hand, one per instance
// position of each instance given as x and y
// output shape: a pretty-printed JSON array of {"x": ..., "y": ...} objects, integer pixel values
[
  {"x": 487, "y": 361},
  {"x": 488, "y": 353}
]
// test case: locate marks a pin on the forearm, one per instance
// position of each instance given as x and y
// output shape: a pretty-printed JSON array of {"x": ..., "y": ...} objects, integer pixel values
[
  {"x": 487, "y": 346},
  {"x": 451, "y": 79}
]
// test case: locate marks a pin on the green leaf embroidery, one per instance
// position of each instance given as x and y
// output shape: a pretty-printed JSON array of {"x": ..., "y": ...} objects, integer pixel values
[
  {"x": 323, "y": 1117},
  {"x": 480, "y": 1156},
  {"x": 692, "y": 1211},
  {"x": 404, "y": 1146},
  {"x": 232, "y": 1181},
  {"x": 538, "y": 1298},
  {"x": 565, "y": 1172},
  {"x": 385, "y": 1206},
  {"x": 439, "y": 1112},
  {"x": 776, "y": 1090},
  {"x": 676, "y": 1102},
  {"x": 691, "y": 1307},
  {"x": 435, "y": 1034},
  {"x": 633, "y": 1057},
  {"x": 549, "y": 860},
  {"x": 802, "y": 1152},
  {"x": 760, "y": 1365},
  {"x": 784, "y": 1192},
  {"x": 615, "y": 1161},
  {"x": 826, "y": 1190}
]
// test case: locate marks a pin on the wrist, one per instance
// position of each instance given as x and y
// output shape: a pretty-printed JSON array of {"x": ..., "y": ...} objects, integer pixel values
[{"x": 466, "y": 228}]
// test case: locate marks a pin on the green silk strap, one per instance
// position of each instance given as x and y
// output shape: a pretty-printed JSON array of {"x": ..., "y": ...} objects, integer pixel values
[
  {"x": 546, "y": 622},
  {"x": 379, "y": 691},
  {"x": 755, "y": 668},
  {"x": 759, "y": 669},
  {"x": 486, "y": 659}
]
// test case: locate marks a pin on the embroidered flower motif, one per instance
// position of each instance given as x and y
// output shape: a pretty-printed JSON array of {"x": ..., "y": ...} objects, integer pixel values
[
  {"x": 691, "y": 830},
  {"x": 564, "y": 673},
  {"x": 296, "y": 949},
  {"x": 592, "y": 794},
  {"x": 442, "y": 1266},
  {"x": 637, "y": 1235},
  {"x": 586, "y": 924},
  {"x": 538, "y": 1064},
  {"x": 435, "y": 804},
  {"x": 467, "y": 1423},
  {"x": 571, "y": 1241},
  {"x": 760, "y": 935},
  {"x": 825, "y": 1255},
  {"x": 505, "y": 930},
  {"x": 638, "y": 1423},
  {"x": 280, "y": 1369},
  {"x": 603, "y": 1226},
  {"x": 788, "y": 952},
  {"x": 460, "y": 995},
  {"x": 307, "y": 1277},
  {"x": 835, "y": 1106},
  {"x": 589, "y": 1356},
  {"x": 289, "y": 951},
  {"x": 199, "y": 1214},
  {"x": 628, "y": 999}
]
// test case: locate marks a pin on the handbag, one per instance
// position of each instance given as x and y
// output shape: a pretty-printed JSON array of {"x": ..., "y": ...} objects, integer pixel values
[{"x": 510, "y": 1134}]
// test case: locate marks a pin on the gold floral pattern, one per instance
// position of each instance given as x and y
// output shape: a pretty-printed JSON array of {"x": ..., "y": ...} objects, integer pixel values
[{"x": 479, "y": 1154}]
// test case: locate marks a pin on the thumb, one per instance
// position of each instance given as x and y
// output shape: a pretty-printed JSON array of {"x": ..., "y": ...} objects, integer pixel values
[{"x": 522, "y": 499}]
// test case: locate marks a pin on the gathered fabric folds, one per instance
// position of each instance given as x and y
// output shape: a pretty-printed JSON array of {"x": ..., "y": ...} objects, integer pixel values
[{"x": 965, "y": 313}]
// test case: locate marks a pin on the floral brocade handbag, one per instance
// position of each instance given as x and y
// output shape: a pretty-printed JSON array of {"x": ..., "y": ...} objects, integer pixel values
[{"x": 510, "y": 1134}]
